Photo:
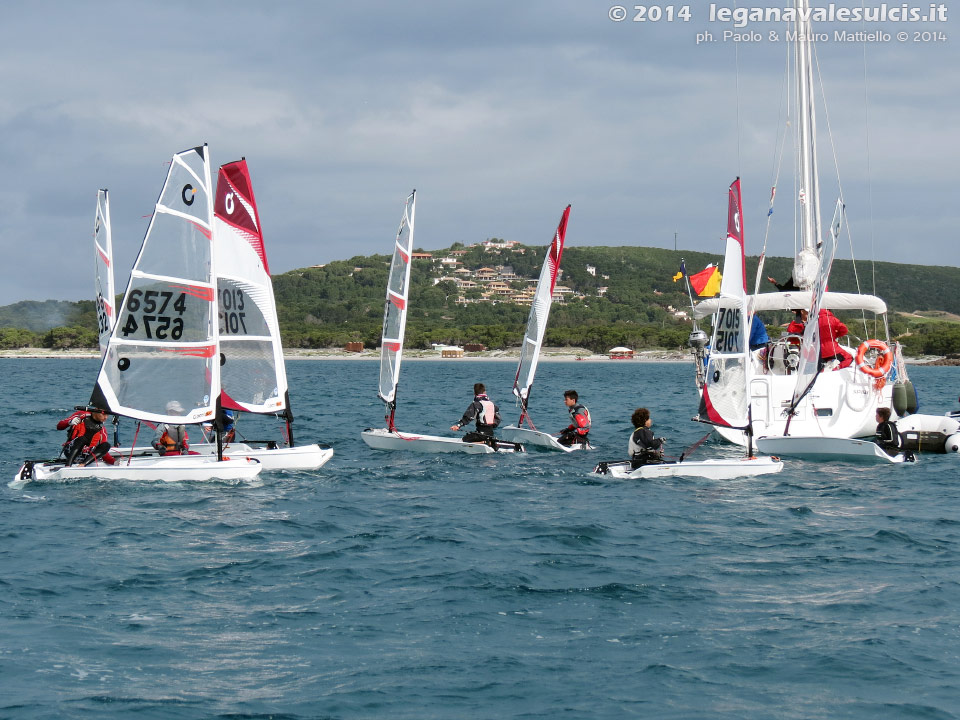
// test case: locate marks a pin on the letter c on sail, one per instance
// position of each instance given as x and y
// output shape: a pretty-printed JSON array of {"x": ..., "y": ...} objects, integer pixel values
[
  {"x": 228, "y": 203},
  {"x": 188, "y": 194}
]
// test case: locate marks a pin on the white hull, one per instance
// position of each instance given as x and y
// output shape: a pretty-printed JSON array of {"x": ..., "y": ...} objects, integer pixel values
[
  {"x": 299, "y": 457},
  {"x": 512, "y": 433},
  {"x": 826, "y": 448},
  {"x": 151, "y": 469},
  {"x": 383, "y": 439},
  {"x": 714, "y": 469},
  {"x": 842, "y": 404}
]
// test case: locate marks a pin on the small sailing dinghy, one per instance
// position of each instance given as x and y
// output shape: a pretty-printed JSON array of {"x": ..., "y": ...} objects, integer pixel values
[
  {"x": 830, "y": 448},
  {"x": 163, "y": 346},
  {"x": 725, "y": 401},
  {"x": 391, "y": 354},
  {"x": 530, "y": 351},
  {"x": 253, "y": 376}
]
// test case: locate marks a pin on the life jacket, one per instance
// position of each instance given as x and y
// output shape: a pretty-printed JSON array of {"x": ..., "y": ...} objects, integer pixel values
[
  {"x": 580, "y": 426},
  {"x": 92, "y": 433},
  {"x": 486, "y": 411},
  {"x": 175, "y": 441}
]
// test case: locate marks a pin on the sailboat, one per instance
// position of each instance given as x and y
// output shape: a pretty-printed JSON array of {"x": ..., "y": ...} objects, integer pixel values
[
  {"x": 391, "y": 355},
  {"x": 162, "y": 353},
  {"x": 103, "y": 265},
  {"x": 530, "y": 350},
  {"x": 253, "y": 375},
  {"x": 725, "y": 401},
  {"x": 843, "y": 402}
]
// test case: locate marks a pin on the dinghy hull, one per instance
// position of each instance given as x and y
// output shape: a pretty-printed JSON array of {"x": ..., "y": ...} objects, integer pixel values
[
  {"x": 186, "y": 468},
  {"x": 713, "y": 469},
  {"x": 822, "y": 448},
  {"x": 537, "y": 439},
  {"x": 383, "y": 439}
]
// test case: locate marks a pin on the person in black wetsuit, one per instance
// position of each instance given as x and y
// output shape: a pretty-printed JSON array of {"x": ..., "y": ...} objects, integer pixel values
[
  {"x": 644, "y": 448},
  {"x": 579, "y": 428},
  {"x": 486, "y": 414},
  {"x": 888, "y": 437},
  {"x": 788, "y": 286}
]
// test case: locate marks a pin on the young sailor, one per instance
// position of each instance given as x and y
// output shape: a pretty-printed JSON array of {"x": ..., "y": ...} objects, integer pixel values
[
  {"x": 831, "y": 330},
  {"x": 888, "y": 437},
  {"x": 87, "y": 440},
  {"x": 172, "y": 439},
  {"x": 644, "y": 448},
  {"x": 484, "y": 412},
  {"x": 579, "y": 427}
]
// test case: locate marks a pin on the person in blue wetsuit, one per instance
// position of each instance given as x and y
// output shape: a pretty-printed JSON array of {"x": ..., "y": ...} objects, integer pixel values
[{"x": 758, "y": 334}]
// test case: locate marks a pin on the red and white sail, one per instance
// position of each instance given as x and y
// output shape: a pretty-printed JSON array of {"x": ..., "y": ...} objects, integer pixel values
[
  {"x": 395, "y": 307},
  {"x": 725, "y": 400},
  {"x": 809, "y": 366},
  {"x": 103, "y": 259},
  {"x": 539, "y": 314},
  {"x": 252, "y": 373},
  {"x": 162, "y": 363}
]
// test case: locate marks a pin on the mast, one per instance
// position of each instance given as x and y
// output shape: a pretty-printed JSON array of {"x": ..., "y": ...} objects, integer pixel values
[
  {"x": 537, "y": 320},
  {"x": 804, "y": 264}
]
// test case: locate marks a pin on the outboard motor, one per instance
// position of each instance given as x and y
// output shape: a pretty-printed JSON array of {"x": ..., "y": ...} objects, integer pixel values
[{"x": 698, "y": 341}]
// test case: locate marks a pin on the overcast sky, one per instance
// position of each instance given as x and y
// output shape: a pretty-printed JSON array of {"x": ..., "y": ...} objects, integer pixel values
[{"x": 498, "y": 113}]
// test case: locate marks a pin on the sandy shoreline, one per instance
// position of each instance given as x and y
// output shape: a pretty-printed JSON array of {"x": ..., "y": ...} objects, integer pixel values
[{"x": 512, "y": 355}]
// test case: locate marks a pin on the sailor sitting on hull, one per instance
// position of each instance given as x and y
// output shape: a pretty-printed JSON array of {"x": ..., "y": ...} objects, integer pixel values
[
  {"x": 87, "y": 440},
  {"x": 579, "y": 428},
  {"x": 644, "y": 448},
  {"x": 888, "y": 437},
  {"x": 486, "y": 414},
  {"x": 172, "y": 439}
]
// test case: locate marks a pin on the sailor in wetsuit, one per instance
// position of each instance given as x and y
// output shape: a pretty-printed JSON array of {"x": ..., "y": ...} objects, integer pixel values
[
  {"x": 579, "y": 428},
  {"x": 644, "y": 448},
  {"x": 484, "y": 412},
  {"x": 86, "y": 440},
  {"x": 172, "y": 439},
  {"x": 888, "y": 437}
]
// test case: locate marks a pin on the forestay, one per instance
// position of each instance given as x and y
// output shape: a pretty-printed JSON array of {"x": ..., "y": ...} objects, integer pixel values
[
  {"x": 252, "y": 373},
  {"x": 724, "y": 400},
  {"x": 103, "y": 259},
  {"x": 163, "y": 347},
  {"x": 395, "y": 309},
  {"x": 539, "y": 313},
  {"x": 809, "y": 366}
]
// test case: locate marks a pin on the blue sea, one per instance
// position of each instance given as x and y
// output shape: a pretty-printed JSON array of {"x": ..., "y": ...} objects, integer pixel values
[{"x": 397, "y": 585}]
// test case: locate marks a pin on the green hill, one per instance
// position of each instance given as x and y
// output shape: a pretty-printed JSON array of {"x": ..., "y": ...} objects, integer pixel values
[{"x": 330, "y": 305}]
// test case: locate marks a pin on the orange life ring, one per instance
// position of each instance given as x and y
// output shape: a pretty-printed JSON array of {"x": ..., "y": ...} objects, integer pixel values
[{"x": 884, "y": 360}]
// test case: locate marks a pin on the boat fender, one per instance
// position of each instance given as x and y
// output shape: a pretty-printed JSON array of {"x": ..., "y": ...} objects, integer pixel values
[
  {"x": 953, "y": 443},
  {"x": 913, "y": 399},
  {"x": 884, "y": 360},
  {"x": 900, "y": 399}
]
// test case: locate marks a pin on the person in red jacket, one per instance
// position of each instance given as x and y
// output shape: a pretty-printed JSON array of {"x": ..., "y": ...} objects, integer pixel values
[
  {"x": 579, "y": 428},
  {"x": 831, "y": 330},
  {"x": 87, "y": 440},
  {"x": 798, "y": 323}
]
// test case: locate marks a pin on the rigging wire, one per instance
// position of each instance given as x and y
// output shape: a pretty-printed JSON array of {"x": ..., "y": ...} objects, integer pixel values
[
  {"x": 836, "y": 166},
  {"x": 866, "y": 132}
]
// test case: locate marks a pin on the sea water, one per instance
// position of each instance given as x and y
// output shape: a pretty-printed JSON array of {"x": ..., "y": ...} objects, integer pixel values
[{"x": 398, "y": 585}]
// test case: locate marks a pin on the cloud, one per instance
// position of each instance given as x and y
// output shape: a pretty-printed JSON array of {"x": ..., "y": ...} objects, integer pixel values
[{"x": 498, "y": 114}]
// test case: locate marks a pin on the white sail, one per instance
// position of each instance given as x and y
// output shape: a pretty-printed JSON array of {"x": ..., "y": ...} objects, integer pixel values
[
  {"x": 725, "y": 399},
  {"x": 539, "y": 313},
  {"x": 395, "y": 309},
  {"x": 103, "y": 259},
  {"x": 810, "y": 347},
  {"x": 162, "y": 363},
  {"x": 252, "y": 373}
]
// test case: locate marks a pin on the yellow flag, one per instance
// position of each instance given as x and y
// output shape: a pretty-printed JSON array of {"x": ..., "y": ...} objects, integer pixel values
[{"x": 677, "y": 276}]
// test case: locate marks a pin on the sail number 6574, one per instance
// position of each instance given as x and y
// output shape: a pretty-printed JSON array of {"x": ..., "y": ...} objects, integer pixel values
[{"x": 155, "y": 322}]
